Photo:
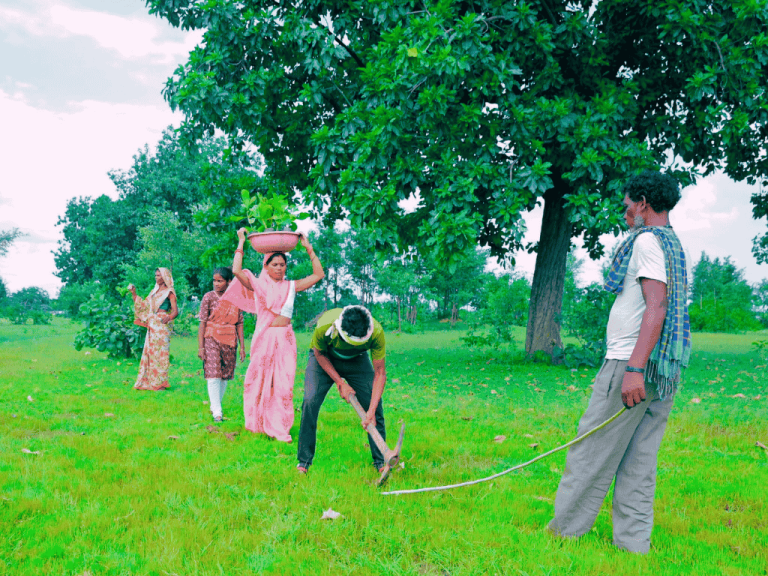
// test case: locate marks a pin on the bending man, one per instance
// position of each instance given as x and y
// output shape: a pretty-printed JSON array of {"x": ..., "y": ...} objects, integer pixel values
[
  {"x": 649, "y": 343},
  {"x": 338, "y": 355}
]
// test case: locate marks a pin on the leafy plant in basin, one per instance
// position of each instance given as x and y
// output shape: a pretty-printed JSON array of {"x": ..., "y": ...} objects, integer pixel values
[{"x": 268, "y": 213}]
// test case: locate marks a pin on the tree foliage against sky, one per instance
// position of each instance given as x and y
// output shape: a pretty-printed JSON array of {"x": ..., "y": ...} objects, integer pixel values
[
  {"x": 6, "y": 239},
  {"x": 103, "y": 237},
  {"x": 760, "y": 210},
  {"x": 721, "y": 299},
  {"x": 480, "y": 110}
]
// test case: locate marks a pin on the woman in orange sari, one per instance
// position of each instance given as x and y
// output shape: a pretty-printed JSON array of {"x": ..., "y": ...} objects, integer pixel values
[
  {"x": 268, "y": 387},
  {"x": 155, "y": 313}
]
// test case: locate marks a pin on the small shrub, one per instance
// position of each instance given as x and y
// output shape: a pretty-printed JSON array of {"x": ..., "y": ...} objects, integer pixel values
[
  {"x": 590, "y": 354},
  {"x": 108, "y": 327},
  {"x": 761, "y": 347}
]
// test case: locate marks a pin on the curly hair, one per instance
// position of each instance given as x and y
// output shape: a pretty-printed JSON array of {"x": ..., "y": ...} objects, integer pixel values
[
  {"x": 225, "y": 272},
  {"x": 355, "y": 322},
  {"x": 661, "y": 191},
  {"x": 275, "y": 255}
]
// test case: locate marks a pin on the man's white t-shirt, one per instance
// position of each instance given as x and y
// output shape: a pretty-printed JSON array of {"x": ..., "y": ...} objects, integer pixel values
[{"x": 647, "y": 261}]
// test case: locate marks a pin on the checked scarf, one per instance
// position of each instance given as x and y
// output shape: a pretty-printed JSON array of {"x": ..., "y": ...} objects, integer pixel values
[{"x": 673, "y": 350}]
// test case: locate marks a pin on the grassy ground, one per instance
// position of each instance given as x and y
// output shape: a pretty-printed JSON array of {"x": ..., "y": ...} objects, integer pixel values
[{"x": 127, "y": 482}]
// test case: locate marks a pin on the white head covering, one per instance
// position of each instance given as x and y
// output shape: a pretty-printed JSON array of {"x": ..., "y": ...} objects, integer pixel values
[
  {"x": 348, "y": 338},
  {"x": 158, "y": 296}
]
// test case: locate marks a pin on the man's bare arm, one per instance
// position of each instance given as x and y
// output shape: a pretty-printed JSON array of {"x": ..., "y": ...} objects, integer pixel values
[
  {"x": 655, "y": 295},
  {"x": 325, "y": 363},
  {"x": 379, "y": 382}
]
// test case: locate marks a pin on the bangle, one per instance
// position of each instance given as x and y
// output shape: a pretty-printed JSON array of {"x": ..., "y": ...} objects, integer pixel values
[
  {"x": 240, "y": 250},
  {"x": 633, "y": 369}
]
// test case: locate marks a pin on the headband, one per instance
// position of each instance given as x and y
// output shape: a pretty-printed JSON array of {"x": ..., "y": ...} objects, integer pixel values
[{"x": 348, "y": 338}]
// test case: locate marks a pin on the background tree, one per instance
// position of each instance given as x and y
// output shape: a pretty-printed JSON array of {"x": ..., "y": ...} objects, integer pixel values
[
  {"x": 760, "y": 301},
  {"x": 102, "y": 236},
  {"x": 72, "y": 295},
  {"x": 330, "y": 244},
  {"x": 6, "y": 239},
  {"x": 760, "y": 210},
  {"x": 721, "y": 300},
  {"x": 99, "y": 236},
  {"x": 27, "y": 304},
  {"x": 479, "y": 110},
  {"x": 360, "y": 253},
  {"x": 453, "y": 290},
  {"x": 403, "y": 281},
  {"x": 502, "y": 304},
  {"x": 165, "y": 243}
]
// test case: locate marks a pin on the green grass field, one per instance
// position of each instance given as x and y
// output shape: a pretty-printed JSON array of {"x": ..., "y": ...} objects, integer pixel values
[{"x": 126, "y": 482}]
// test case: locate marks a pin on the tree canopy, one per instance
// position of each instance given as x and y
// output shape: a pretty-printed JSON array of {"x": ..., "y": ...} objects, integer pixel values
[
  {"x": 159, "y": 199},
  {"x": 478, "y": 111}
]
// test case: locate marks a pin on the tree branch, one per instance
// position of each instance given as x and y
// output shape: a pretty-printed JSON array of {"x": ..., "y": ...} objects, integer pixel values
[
  {"x": 555, "y": 23},
  {"x": 351, "y": 52}
]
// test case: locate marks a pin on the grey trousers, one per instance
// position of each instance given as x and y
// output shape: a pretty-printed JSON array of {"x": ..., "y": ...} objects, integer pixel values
[
  {"x": 358, "y": 372},
  {"x": 625, "y": 450}
]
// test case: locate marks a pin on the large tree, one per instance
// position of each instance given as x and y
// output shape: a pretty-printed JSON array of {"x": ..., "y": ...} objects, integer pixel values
[{"x": 479, "y": 110}]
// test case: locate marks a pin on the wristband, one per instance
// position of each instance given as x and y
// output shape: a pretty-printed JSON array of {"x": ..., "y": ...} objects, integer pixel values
[
  {"x": 633, "y": 369},
  {"x": 240, "y": 250}
]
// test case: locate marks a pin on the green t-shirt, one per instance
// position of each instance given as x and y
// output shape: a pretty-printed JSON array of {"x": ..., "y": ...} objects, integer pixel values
[{"x": 338, "y": 347}]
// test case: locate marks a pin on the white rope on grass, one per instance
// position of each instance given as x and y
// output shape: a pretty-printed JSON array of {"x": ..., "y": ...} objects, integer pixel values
[{"x": 518, "y": 467}]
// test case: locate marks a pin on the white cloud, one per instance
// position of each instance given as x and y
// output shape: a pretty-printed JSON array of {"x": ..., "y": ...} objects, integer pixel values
[
  {"x": 696, "y": 210},
  {"x": 49, "y": 157},
  {"x": 131, "y": 38}
]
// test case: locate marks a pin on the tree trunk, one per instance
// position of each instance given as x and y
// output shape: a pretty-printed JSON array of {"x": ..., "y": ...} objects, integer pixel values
[
  {"x": 454, "y": 315},
  {"x": 543, "y": 332},
  {"x": 399, "y": 318}
]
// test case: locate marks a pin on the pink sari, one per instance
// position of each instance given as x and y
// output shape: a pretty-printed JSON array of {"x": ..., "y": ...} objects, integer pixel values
[{"x": 268, "y": 388}]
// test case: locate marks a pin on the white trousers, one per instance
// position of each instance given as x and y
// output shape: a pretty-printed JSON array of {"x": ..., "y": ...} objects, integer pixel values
[{"x": 216, "y": 389}]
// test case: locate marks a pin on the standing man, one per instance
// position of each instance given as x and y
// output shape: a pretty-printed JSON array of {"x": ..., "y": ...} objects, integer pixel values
[
  {"x": 338, "y": 355},
  {"x": 649, "y": 343}
]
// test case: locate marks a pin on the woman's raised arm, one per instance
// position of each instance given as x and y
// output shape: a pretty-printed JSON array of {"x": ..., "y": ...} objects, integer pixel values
[
  {"x": 317, "y": 268},
  {"x": 237, "y": 262}
]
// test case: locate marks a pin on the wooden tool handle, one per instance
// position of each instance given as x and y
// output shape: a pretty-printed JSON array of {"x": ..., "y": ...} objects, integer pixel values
[{"x": 371, "y": 428}]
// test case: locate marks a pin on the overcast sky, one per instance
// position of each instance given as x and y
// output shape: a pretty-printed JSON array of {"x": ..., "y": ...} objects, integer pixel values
[{"x": 80, "y": 93}]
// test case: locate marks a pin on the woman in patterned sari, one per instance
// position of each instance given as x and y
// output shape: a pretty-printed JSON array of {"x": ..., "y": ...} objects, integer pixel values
[
  {"x": 155, "y": 313},
  {"x": 268, "y": 388}
]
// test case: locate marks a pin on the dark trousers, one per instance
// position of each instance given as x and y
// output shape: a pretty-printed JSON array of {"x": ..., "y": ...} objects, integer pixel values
[{"x": 358, "y": 372}]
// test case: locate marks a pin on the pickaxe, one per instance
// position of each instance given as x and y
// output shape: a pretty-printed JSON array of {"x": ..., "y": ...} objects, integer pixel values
[{"x": 391, "y": 457}]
